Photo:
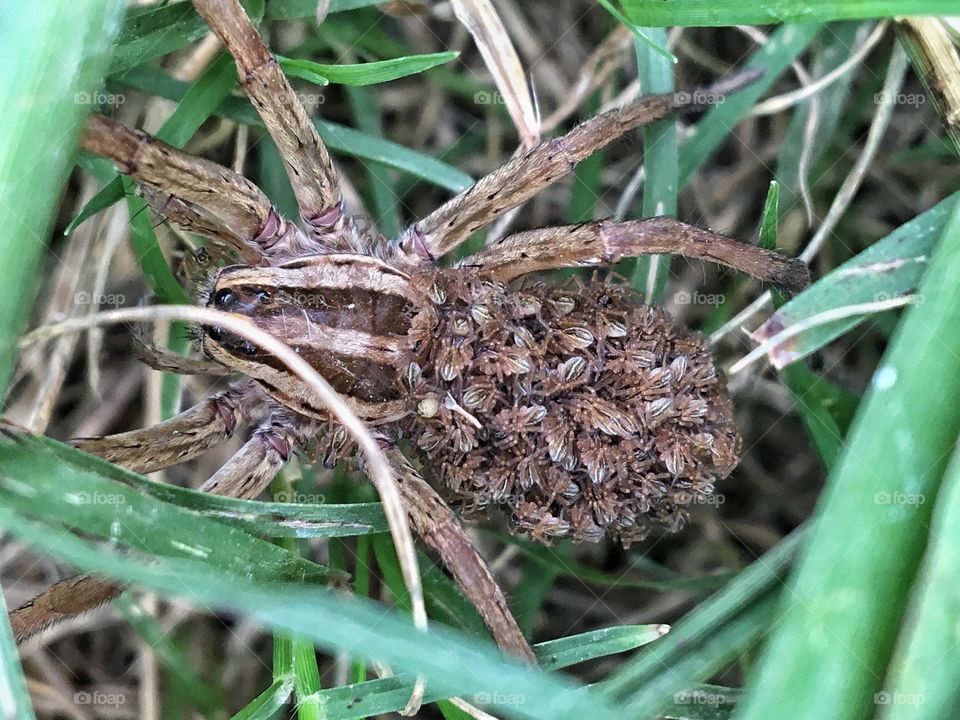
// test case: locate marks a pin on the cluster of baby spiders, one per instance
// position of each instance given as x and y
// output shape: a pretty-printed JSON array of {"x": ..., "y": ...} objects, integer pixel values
[{"x": 575, "y": 408}]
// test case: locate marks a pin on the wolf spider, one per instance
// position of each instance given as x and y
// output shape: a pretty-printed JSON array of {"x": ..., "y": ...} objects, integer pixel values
[{"x": 579, "y": 410}]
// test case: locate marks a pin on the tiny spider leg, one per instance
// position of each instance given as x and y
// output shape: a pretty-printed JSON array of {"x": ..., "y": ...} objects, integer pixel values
[
  {"x": 440, "y": 530},
  {"x": 527, "y": 174},
  {"x": 308, "y": 164},
  {"x": 164, "y": 360},
  {"x": 253, "y": 466},
  {"x": 605, "y": 242},
  {"x": 61, "y": 601},
  {"x": 197, "y": 221},
  {"x": 177, "y": 440},
  {"x": 207, "y": 197}
]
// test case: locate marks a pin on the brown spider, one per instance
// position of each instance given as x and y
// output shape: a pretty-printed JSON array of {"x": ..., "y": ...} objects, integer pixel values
[{"x": 575, "y": 408}]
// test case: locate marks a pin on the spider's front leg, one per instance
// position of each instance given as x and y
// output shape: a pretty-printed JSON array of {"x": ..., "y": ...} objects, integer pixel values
[
  {"x": 199, "y": 195},
  {"x": 605, "y": 242},
  {"x": 526, "y": 175},
  {"x": 439, "y": 528},
  {"x": 308, "y": 164}
]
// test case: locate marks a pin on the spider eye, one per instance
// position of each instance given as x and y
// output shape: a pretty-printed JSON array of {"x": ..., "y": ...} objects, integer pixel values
[
  {"x": 223, "y": 297},
  {"x": 215, "y": 333},
  {"x": 263, "y": 296},
  {"x": 248, "y": 349}
]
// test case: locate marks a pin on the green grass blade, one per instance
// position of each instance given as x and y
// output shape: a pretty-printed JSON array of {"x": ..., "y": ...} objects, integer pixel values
[
  {"x": 709, "y": 637},
  {"x": 890, "y": 268},
  {"x": 785, "y": 44},
  {"x": 359, "y": 74},
  {"x": 652, "y": 41},
  {"x": 846, "y": 599},
  {"x": 660, "y": 162},
  {"x": 925, "y": 674},
  {"x": 38, "y": 485},
  {"x": 339, "y": 138},
  {"x": 388, "y": 695},
  {"x": 147, "y": 250},
  {"x": 294, "y": 516},
  {"x": 14, "y": 698},
  {"x": 266, "y": 705},
  {"x": 160, "y": 30},
  {"x": 340, "y": 624},
  {"x": 46, "y": 103},
  {"x": 381, "y": 194},
  {"x": 710, "y": 13}
]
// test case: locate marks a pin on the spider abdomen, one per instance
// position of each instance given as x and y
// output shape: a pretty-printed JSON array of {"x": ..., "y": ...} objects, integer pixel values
[{"x": 579, "y": 411}]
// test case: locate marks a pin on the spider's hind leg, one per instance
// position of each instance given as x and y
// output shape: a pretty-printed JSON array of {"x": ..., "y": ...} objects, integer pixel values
[
  {"x": 439, "y": 528},
  {"x": 605, "y": 242}
]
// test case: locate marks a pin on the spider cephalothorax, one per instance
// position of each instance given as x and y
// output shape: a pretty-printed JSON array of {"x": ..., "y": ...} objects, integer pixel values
[{"x": 577, "y": 409}]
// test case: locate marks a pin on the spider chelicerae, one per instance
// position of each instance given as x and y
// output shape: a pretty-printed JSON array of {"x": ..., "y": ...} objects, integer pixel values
[{"x": 575, "y": 408}]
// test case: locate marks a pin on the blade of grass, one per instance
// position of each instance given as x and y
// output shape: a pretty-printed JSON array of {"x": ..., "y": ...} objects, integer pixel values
[
  {"x": 387, "y": 695},
  {"x": 37, "y": 485},
  {"x": 834, "y": 640},
  {"x": 709, "y": 13},
  {"x": 14, "y": 698},
  {"x": 651, "y": 41},
  {"x": 660, "y": 162},
  {"x": 709, "y": 637},
  {"x": 925, "y": 673},
  {"x": 53, "y": 54},
  {"x": 890, "y": 268},
  {"x": 383, "y": 200},
  {"x": 273, "y": 519},
  {"x": 783, "y": 46},
  {"x": 339, "y": 623},
  {"x": 160, "y": 30},
  {"x": 266, "y": 705},
  {"x": 817, "y": 399},
  {"x": 359, "y": 74}
]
